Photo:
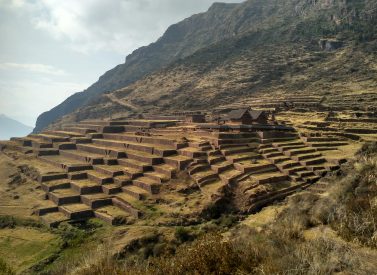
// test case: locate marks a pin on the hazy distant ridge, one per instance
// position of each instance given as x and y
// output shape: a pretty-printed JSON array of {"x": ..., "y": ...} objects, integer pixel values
[{"x": 12, "y": 128}]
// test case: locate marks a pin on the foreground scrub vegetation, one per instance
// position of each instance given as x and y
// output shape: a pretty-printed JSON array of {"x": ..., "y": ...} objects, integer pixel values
[{"x": 313, "y": 234}]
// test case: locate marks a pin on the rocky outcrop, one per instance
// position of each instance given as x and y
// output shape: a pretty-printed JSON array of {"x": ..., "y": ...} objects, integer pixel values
[{"x": 330, "y": 44}]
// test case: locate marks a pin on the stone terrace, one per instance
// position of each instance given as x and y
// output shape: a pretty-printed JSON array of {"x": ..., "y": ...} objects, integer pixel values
[{"x": 108, "y": 169}]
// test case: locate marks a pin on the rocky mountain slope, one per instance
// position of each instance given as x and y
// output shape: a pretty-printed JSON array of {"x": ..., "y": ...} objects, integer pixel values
[
  {"x": 12, "y": 128},
  {"x": 235, "y": 51}
]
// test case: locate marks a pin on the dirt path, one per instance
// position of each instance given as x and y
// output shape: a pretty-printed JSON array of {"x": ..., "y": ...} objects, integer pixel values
[{"x": 120, "y": 102}]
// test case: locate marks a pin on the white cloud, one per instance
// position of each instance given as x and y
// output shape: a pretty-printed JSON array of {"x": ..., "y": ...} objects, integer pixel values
[
  {"x": 88, "y": 26},
  {"x": 35, "y": 68}
]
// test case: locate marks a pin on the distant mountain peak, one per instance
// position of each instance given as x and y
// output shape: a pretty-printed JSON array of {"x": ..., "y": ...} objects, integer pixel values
[{"x": 10, "y": 127}]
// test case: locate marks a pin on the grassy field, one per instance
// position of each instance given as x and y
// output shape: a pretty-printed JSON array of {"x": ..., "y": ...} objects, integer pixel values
[{"x": 21, "y": 248}]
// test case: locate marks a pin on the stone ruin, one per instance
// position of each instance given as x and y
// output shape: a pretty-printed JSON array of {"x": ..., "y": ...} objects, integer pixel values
[{"x": 107, "y": 169}]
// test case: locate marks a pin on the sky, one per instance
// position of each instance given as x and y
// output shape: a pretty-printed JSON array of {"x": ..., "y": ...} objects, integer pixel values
[{"x": 50, "y": 49}]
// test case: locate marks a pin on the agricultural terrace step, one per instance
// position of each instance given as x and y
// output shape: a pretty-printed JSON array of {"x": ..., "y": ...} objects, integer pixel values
[
  {"x": 255, "y": 168},
  {"x": 52, "y": 176},
  {"x": 274, "y": 140},
  {"x": 192, "y": 152},
  {"x": 128, "y": 176},
  {"x": 235, "y": 135},
  {"x": 269, "y": 178},
  {"x": 236, "y": 150},
  {"x": 143, "y": 157},
  {"x": 277, "y": 135},
  {"x": 272, "y": 155},
  {"x": 106, "y": 123},
  {"x": 229, "y": 176},
  {"x": 65, "y": 145},
  {"x": 122, "y": 201},
  {"x": 221, "y": 166},
  {"x": 80, "y": 130},
  {"x": 83, "y": 156},
  {"x": 230, "y": 146},
  {"x": 68, "y": 164},
  {"x": 46, "y": 152},
  {"x": 100, "y": 178},
  {"x": 96, "y": 200},
  {"x": 84, "y": 187},
  {"x": 78, "y": 175},
  {"x": 306, "y": 156},
  {"x": 147, "y": 184},
  {"x": 327, "y": 144},
  {"x": 112, "y": 188},
  {"x": 313, "y": 161},
  {"x": 299, "y": 152},
  {"x": 178, "y": 161},
  {"x": 319, "y": 139},
  {"x": 160, "y": 178},
  {"x": 158, "y": 140},
  {"x": 94, "y": 135},
  {"x": 204, "y": 176},
  {"x": 268, "y": 150},
  {"x": 291, "y": 147},
  {"x": 81, "y": 140},
  {"x": 215, "y": 159},
  {"x": 64, "y": 134},
  {"x": 136, "y": 165},
  {"x": 110, "y": 170},
  {"x": 103, "y": 128},
  {"x": 64, "y": 196},
  {"x": 165, "y": 169},
  {"x": 294, "y": 170},
  {"x": 49, "y": 138},
  {"x": 135, "y": 192},
  {"x": 218, "y": 142},
  {"x": 159, "y": 150},
  {"x": 53, "y": 219},
  {"x": 244, "y": 156},
  {"x": 41, "y": 144},
  {"x": 305, "y": 174},
  {"x": 153, "y": 123},
  {"x": 196, "y": 168},
  {"x": 112, "y": 215},
  {"x": 55, "y": 184},
  {"x": 46, "y": 208},
  {"x": 289, "y": 143},
  {"x": 77, "y": 211},
  {"x": 287, "y": 164},
  {"x": 101, "y": 150}
]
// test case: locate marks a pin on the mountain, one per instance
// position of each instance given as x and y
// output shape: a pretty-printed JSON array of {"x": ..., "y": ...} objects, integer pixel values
[
  {"x": 12, "y": 128},
  {"x": 234, "y": 51},
  {"x": 180, "y": 40}
]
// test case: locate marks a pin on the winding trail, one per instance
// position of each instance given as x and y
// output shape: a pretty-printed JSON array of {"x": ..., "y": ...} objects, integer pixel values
[{"x": 120, "y": 102}]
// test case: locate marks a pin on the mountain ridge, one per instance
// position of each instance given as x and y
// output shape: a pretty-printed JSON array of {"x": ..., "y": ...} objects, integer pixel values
[
  {"x": 138, "y": 64},
  {"x": 10, "y": 127},
  {"x": 202, "y": 43}
]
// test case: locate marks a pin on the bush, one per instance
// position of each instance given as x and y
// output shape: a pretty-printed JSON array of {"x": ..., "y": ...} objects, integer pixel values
[
  {"x": 182, "y": 234},
  {"x": 368, "y": 149},
  {"x": 5, "y": 268},
  {"x": 12, "y": 222}
]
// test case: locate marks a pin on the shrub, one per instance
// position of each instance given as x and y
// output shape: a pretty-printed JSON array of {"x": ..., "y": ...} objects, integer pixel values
[
  {"x": 12, "y": 222},
  {"x": 5, "y": 268},
  {"x": 182, "y": 234}
]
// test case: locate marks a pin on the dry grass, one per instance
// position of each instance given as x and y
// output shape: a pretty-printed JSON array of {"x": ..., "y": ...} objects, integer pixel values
[{"x": 280, "y": 246}]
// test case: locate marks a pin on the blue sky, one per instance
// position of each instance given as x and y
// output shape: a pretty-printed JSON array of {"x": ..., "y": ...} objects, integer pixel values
[{"x": 51, "y": 49}]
